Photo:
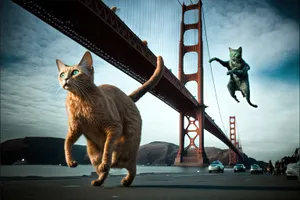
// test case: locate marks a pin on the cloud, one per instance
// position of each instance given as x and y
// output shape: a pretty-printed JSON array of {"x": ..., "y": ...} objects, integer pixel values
[
  {"x": 266, "y": 38},
  {"x": 289, "y": 10},
  {"x": 33, "y": 105}
]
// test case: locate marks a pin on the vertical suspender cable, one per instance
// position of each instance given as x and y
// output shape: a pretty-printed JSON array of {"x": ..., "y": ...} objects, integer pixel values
[{"x": 212, "y": 74}]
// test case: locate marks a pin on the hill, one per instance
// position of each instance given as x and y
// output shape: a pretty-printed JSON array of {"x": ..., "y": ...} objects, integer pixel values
[
  {"x": 39, "y": 151},
  {"x": 50, "y": 151},
  {"x": 163, "y": 153}
]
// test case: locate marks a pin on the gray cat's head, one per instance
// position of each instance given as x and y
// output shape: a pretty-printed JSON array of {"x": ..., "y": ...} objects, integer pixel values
[
  {"x": 235, "y": 54},
  {"x": 78, "y": 77}
]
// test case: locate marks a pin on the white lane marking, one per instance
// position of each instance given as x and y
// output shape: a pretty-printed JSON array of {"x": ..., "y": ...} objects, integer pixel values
[
  {"x": 194, "y": 175},
  {"x": 71, "y": 186},
  {"x": 182, "y": 175}
]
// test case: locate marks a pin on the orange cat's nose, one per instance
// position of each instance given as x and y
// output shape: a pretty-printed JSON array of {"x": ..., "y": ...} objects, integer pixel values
[{"x": 65, "y": 84}]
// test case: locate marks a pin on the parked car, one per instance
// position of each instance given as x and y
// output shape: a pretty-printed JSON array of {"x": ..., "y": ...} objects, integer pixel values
[
  {"x": 292, "y": 170},
  {"x": 256, "y": 169},
  {"x": 239, "y": 168},
  {"x": 216, "y": 166}
]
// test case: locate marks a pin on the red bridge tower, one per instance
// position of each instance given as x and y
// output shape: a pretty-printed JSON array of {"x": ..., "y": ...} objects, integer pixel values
[
  {"x": 232, "y": 127},
  {"x": 192, "y": 155}
]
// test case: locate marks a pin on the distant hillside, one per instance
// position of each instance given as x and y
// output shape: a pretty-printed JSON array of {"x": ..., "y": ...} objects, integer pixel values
[
  {"x": 157, "y": 153},
  {"x": 39, "y": 150},
  {"x": 163, "y": 153},
  {"x": 50, "y": 151}
]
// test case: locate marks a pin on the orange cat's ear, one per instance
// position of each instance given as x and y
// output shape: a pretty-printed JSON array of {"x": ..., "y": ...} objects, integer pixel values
[
  {"x": 86, "y": 61},
  {"x": 230, "y": 49},
  {"x": 240, "y": 49},
  {"x": 60, "y": 65}
]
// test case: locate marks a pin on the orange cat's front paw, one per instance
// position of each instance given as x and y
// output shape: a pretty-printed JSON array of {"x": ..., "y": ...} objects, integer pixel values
[
  {"x": 72, "y": 164},
  {"x": 104, "y": 167}
]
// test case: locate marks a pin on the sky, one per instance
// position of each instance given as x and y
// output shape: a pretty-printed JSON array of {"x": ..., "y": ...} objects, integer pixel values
[{"x": 33, "y": 104}]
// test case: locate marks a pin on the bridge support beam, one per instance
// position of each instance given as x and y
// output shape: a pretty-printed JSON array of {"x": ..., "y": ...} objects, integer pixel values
[{"x": 192, "y": 155}]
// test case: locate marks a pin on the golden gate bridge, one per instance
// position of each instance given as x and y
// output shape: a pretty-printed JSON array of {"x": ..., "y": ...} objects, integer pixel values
[{"x": 97, "y": 25}]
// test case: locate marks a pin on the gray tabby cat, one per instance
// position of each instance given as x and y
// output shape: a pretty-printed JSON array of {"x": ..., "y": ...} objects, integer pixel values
[{"x": 238, "y": 71}]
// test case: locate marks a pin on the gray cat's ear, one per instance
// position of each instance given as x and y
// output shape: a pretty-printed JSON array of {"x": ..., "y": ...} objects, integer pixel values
[
  {"x": 230, "y": 49},
  {"x": 60, "y": 65},
  {"x": 240, "y": 49},
  {"x": 86, "y": 61}
]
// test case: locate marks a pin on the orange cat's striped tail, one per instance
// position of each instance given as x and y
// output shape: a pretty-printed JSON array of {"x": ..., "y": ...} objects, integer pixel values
[{"x": 151, "y": 83}]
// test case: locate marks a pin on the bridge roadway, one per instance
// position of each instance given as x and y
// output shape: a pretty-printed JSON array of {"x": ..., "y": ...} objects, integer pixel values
[
  {"x": 223, "y": 186},
  {"x": 93, "y": 25}
]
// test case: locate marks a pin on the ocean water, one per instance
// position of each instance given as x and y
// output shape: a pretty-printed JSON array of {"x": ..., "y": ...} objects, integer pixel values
[{"x": 80, "y": 170}]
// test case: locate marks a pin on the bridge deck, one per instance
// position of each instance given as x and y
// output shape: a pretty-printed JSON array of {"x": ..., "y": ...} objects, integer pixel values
[{"x": 92, "y": 28}]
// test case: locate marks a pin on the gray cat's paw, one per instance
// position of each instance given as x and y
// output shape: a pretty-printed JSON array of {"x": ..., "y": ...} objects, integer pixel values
[{"x": 72, "y": 164}]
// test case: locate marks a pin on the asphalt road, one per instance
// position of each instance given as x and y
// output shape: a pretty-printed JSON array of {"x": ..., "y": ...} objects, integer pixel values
[{"x": 222, "y": 186}]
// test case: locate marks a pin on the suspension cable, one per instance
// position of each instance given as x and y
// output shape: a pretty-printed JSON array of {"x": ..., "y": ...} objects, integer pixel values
[
  {"x": 179, "y": 2},
  {"x": 212, "y": 74}
]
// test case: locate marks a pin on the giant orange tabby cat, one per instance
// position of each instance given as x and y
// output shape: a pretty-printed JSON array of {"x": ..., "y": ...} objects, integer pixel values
[{"x": 106, "y": 116}]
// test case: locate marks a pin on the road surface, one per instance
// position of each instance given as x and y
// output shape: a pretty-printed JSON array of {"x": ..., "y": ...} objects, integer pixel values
[{"x": 204, "y": 186}]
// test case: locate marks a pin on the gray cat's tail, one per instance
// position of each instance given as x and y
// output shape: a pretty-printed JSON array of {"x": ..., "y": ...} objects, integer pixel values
[
  {"x": 251, "y": 104},
  {"x": 151, "y": 83}
]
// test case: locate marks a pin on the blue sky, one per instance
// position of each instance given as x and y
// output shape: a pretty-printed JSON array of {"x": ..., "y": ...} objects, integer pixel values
[{"x": 32, "y": 104}]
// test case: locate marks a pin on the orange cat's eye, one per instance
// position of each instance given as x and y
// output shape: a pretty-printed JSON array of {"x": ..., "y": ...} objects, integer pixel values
[
  {"x": 62, "y": 75},
  {"x": 75, "y": 72}
]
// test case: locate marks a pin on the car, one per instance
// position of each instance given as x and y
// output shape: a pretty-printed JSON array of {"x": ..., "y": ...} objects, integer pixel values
[
  {"x": 239, "y": 168},
  {"x": 216, "y": 166},
  {"x": 292, "y": 170},
  {"x": 255, "y": 169}
]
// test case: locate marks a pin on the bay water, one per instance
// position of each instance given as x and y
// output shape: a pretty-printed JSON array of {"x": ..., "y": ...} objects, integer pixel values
[{"x": 81, "y": 170}]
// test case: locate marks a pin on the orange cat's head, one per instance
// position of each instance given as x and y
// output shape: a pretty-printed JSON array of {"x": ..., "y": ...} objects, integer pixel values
[{"x": 76, "y": 78}]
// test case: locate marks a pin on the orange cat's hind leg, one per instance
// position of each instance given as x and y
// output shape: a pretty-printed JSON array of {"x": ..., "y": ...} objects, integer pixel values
[
  {"x": 102, "y": 177},
  {"x": 95, "y": 156},
  {"x": 127, "y": 181}
]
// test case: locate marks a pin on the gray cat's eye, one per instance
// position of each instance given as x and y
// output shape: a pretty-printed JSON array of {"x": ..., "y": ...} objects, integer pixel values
[{"x": 62, "y": 75}]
